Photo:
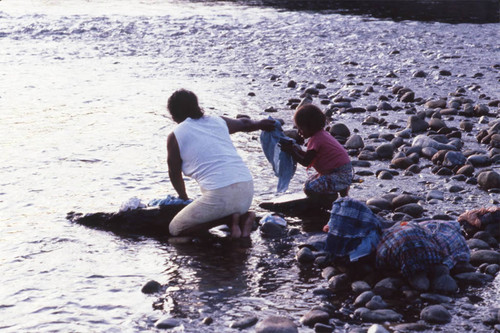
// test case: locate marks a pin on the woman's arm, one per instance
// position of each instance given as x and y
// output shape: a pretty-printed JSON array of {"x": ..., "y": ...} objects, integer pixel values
[
  {"x": 174, "y": 162},
  {"x": 248, "y": 125}
]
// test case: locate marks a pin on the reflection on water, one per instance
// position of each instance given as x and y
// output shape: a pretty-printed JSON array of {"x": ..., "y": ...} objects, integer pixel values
[{"x": 451, "y": 11}]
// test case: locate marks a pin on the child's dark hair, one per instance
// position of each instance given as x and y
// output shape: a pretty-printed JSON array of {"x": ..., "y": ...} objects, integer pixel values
[
  {"x": 183, "y": 104},
  {"x": 310, "y": 116}
]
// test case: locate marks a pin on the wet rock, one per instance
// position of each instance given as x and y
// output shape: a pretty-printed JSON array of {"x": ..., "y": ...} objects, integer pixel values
[
  {"x": 436, "y": 124},
  {"x": 366, "y": 155},
  {"x": 484, "y": 256},
  {"x": 455, "y": 188},
  {"x": 411, "y": 327},
  {"x": 272, "y": 230},
  {"x": 423, "y": 141},
  {"x": 340, "y": 129},
  {"x": 477, "y": 244},
  {"x": 151, "y": 287},
  {"x": 376, "y": 303},
  {"x": 419, "y": 281},
  {"x": 466, "y": 125},
  {"x": 492, "y": 269},
  {"x": 315, "y": 316},
  {"x": 444, "y": 284},
  {"x": 466, "y": 170},
  {"x": 481, "y": 110},
  {"x": 444, "y": 72},
  {"x": 376, "y": 328},
  {"x": 486, "y": 237},
  {"x": 275, "y": 324},
  {"x": 417, "y": 124},
  {"x": 379, "y": 316},
  {"x": 387, "y": 287},
  {"x": 435, "y": 314},
  {"x": 412, "y": 209},
  {"x": 435, "y": 194},
  {"x": 363, "y": 298},
  {"x": 355, "y": 142},
  {"x": 404, "y": 199},
  {"x": 435, "y": 298},
  {"x": 380, "y": 203},
  {"x": 323, "y": 328},
  {"x": 454, "y": 158},
  {"x": 385, "y": 150},
  {"x": 408, "y": 97},
  {"x": 291, "y": 84},
  {"x": 244, "y": 322},
  {"x": 472, "y": 278},
  {"x": 479, "y": 160},
  {"x": 420, "y": 74},
  {"x": 167, "y": 322},
  {"x": 305, "y": 256},
  {"x": 440, "y": 103},
  {"x": 339, "y": 282},
  {"x": 402, "y": 162},
  {"x": 207, "y": 321},
  {"x": 488, "y": 180},
  {"x": 359, "y": 287},
  {"x": 271, "y": 109},
  {"x": 384, "y": 106}
]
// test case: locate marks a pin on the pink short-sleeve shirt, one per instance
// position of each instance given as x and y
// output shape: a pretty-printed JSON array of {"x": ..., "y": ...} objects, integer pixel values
[{"x": 329, "y": 152}]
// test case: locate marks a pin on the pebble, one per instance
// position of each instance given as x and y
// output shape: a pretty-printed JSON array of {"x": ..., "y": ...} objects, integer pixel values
[
  {"x": 387, "y": 287},
  {"x": 477, "y": 244},
  {"x": 323, "y": 328},
  {"x": 410, "y": 327},
  {"x": 417, "y": 124},
  {"x": 244, "y": 322},
  {"x": 355, "y": 142},
  {"x": 275, "y": 324},
  {"x": 488, "y": 180},
  {"x": 376, "y": 328},
  {"x": 379, "y": 316},
  {"x": 484, "y": 256},
  {"x": 305, "y": 256},
  {"x": 435, "y": 298},
  {"x": 435, "y": 314},
  {"x": 444, "y": 284},
  {"x": 363, "y": 298},
  {"x": 472, "y": 278},
  {"x": 339, "y": 282},
  {"x": 376, "y": 303},
  {"x": 340, "y": 129},
  {"x": 385, "y": 151},
  {"x": 412, "y": 209},
  {"x": 167, "y": 322},
  {"x": 359, "y": 287},
  {"x": 151, "y": 287}
]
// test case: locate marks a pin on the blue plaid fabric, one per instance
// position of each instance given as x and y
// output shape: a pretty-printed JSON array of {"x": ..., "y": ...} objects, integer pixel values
[
  {"x": 409, "y": 248},
  {"x": 447, "y": 235},
  {"x": 350, "y": 223}
]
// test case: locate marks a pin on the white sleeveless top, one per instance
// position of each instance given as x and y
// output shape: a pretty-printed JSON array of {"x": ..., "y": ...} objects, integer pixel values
[{"x": 208, "y": 154}]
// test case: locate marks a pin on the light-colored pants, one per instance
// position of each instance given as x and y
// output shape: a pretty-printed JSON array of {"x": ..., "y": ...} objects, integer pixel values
[{"x": 213, "y": 205}]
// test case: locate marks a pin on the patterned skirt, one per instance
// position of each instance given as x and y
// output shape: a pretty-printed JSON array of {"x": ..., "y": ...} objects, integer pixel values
[{"x": 336, "y": 181}]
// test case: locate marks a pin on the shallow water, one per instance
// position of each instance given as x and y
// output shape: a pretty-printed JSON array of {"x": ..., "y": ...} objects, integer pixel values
[{"x": 83, "y": 88}]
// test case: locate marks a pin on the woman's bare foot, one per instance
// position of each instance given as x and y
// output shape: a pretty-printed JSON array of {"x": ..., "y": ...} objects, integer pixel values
[
  {"x": 235, "y": 226},
  {"x": 246, "y": 224}
]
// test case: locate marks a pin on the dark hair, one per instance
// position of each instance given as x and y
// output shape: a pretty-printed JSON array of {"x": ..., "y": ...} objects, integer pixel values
[
  {"x": 310, "y": 116},
  {"x": 183, "y": 104}
]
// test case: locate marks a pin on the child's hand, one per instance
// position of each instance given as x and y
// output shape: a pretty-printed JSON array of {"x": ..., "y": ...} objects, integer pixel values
[
  {"x": 267, "y": 125},
  {"x": 286, "y": 146},
  {"x": 326, "y": 228}
]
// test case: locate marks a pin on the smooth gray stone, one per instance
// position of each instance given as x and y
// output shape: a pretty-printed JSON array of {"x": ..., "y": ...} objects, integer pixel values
[
  {"x": 151, "y": 287},
  {"x": 355, "y": 142},
  {"x": 376, "y": 303},
  {"x": 435, "y": 194},
  {"x": 484, "y": 256},
  {"x": 387, "y": 287},
  {"x": 385, "y": 151},
  {"x": 477, "y": 244},
  {"x": 339, "y": 282},
  {"x": 435, "y": 298},
  {"x": 244, "y": 322},
  {"x": 379, "y": 316},
  {"x": 435, "y": 314},
  {"x": 363, "y": 298},
  {"x": 359, "y": 287},
  {"x": 305, "y": 255},
  {"x": 411, "y": 327},
  {"x": 275, "y": 324},
  {"x": 328, "y": 272},
  {"x": 444, "y": 284},
  {"x": 412, "y": 209},
  {"x": 473, "y": 278},
  {"x": 315, "y": 316},
  {"x": 323, "y": 328},
  {"x": 492, "y": 269},
  {"x": 488, "y": 180},
  {"x": 166, "y": 322}
]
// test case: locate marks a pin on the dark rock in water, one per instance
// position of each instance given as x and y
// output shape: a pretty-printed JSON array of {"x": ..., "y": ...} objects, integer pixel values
[
  {"x": 207, "y": 321},
  {"x": 402, "y": 162},
  {"x": 363, "y": 298},
  {"x": 444, "y": 72},
  {"x": 340, "y": 129},
  {"x": 291, "y": 84},
  {"x": 380, "y": 203},
  {"x": 271, "y": 109},
  {"x": 385, "y": 150},
  {"x": 435, "y": 194},
  {"x": 379, "y": 316},
  {"x": 420, "y": 73},
  {"x": 404, "y": 199},
  {"x": 488, "y": 180},
  {"x": 455, "y": 188},
  {"x": 275, "y": 324},
  {"x": 436, "y": 124},
  {"x": 466, "y": 125},
  {"x": 339, "y": 282},
  {"x": 312, "y": 91},
  {"x": 315, "y": 316},
  {"x": 479, "y": 160},
  {"x": 323, "y": 328},
  {"x": 444, "y": 284},
  {"x": 366, "y": 155},
  {"x": 354, "y": 142},
  {"x": 361, "y": 164},
  {"x": 244, "y": 323},
  {"x": 151, "y": 287},
  {"x": 440, "y": 103},
  {"x": 412, "y": 209},
  {"x": 387, "y": 287},
  {"x": 417, "y": 124},
  {"x": 466, "y": 170},
  {"x": 359, "y": 287},
  {"x": 272, "y": 230},
  {"x": 305, "y": 256},
  {"x": 428, "y": 152},
  {"x": 486, "y": 237},
  {"x": 384, "y": 106},
  {"x": 435, "y": 314},
  {"x": 376, "y": 328},
  {"x": 435, "y": 298},
  {"x": 408, "y": 97},
  {"x": 410, "y": 327},
  {"x": 454, "y": 158},
  {"x": 419, "y": 281},
  {"x": 484, "y": 256},
  {"x": 481, "y": 110},
  {"x": 492, "y": 269},
  {"x": 473, "y": 279},
  {"x": 477, "y": 244},
  {"x": 376, "y": 303},
  {"x": 167, "y": 322},
  {"x": 384, "y": 174}
]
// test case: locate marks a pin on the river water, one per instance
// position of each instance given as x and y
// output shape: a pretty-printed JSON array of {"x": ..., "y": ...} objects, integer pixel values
[{"x": 83, "y": 88}]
